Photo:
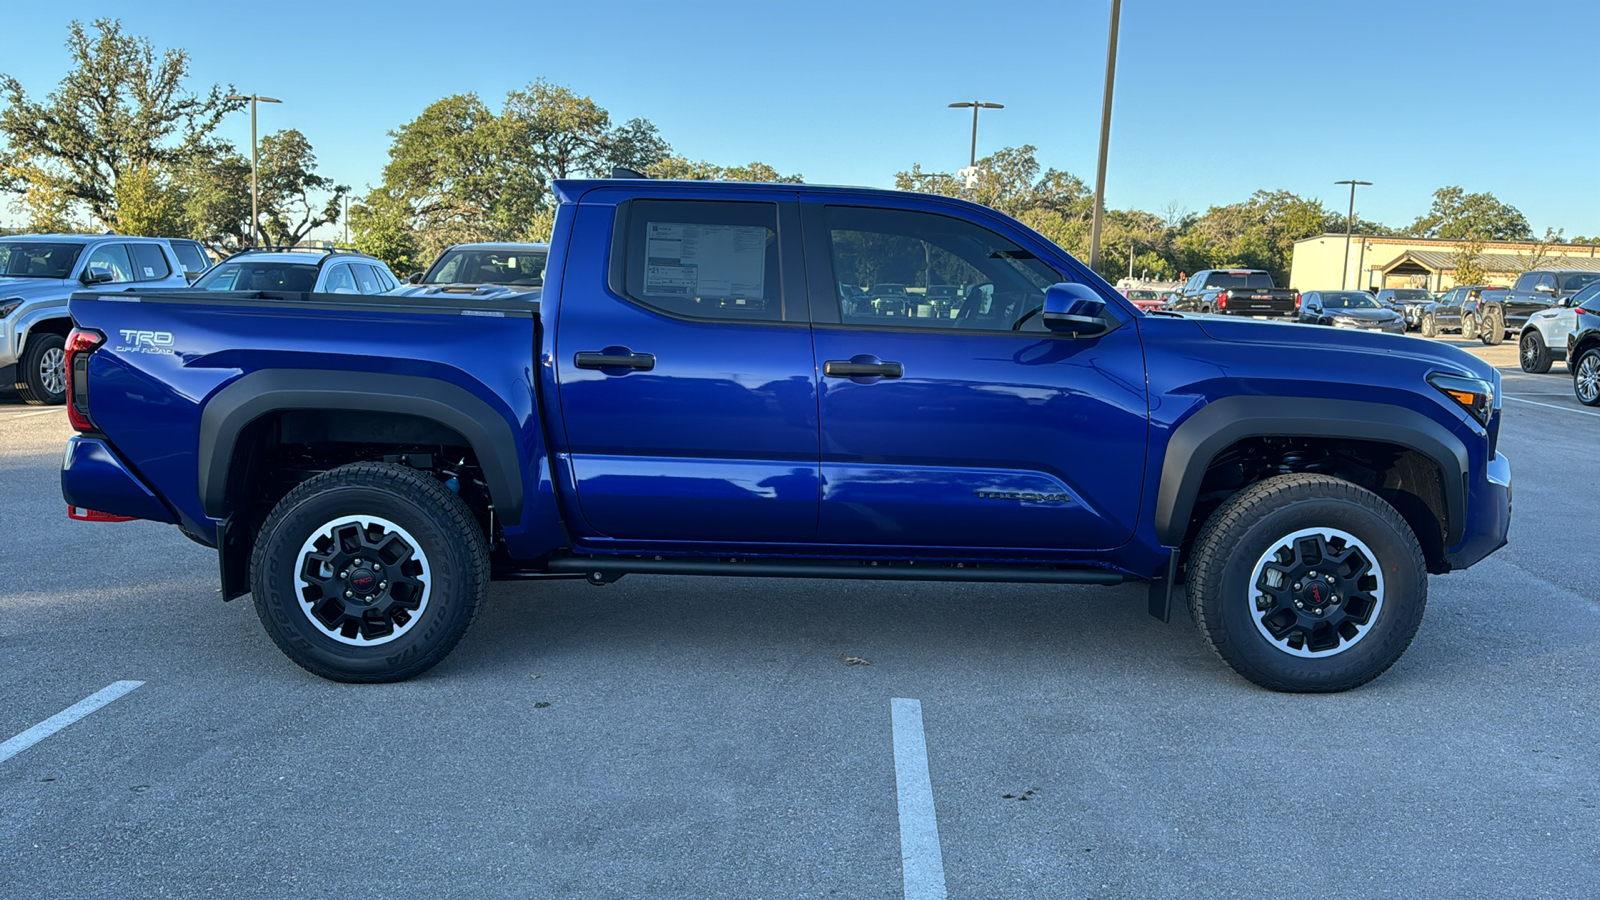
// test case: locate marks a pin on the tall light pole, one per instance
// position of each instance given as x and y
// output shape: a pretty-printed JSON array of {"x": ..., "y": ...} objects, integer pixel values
[
  {"x": 1105, "y": 140},
  {"x": 255, "y": 201},
  {"x": 972, "y": 164},
  {"x": 1349, "y": 224}
]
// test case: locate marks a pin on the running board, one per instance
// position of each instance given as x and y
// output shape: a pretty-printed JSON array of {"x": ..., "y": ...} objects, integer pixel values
[{"x": 604, "y": 570}]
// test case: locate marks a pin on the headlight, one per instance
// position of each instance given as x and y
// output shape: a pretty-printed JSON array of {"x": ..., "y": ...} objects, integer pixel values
[
  {"x": 7, "y": 307},
  {"x": 1474, "y": 395}
]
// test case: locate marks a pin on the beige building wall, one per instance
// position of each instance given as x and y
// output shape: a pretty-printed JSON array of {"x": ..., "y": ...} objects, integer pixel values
[{"x": 1318, "y": 262}]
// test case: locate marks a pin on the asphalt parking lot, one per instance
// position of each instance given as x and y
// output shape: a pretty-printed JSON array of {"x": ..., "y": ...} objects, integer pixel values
[{"x": 669, "y": 737}]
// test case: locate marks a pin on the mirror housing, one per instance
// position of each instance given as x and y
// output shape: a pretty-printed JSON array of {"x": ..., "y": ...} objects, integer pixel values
[
  {"x": 1074, "y": 309},
  {"x": 96, "y": 275}
]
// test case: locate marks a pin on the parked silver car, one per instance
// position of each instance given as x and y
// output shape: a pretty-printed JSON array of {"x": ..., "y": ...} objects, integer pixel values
[{"x": 38, "y": 272}]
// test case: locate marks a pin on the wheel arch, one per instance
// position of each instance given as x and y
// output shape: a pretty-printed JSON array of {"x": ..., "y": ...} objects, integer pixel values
[
  {"x": 1224, "y": 424},
  {"x": 250, "y": 399}
]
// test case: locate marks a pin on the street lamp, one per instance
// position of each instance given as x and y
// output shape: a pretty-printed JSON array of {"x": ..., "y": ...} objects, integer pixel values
[
  {"x": 1105, "y": 139},
  {"x": 1349, "y": 224},
  {"x": 972, "y": 165},
  {"x": 255, "y": 202}
]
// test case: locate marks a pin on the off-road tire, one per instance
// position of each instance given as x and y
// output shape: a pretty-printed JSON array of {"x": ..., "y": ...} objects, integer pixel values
[
  {"x": 449, "y": 541},
  {"x": 1494, "y": 328},
  {"x": 1248, "y": 525},
  {"x": 1532, "y": 354},
  {"x": 1429, "y": 326},
  {"x": 1469, "y": 326},
  {"x": 1586, "y": 377},
  {"x": 31, "y": 380}
]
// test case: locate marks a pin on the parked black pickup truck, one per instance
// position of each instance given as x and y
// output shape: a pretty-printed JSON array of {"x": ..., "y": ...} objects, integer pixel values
[
  {"x": 1504, "y": 311},
  {"x": 1236, "y": 292}
]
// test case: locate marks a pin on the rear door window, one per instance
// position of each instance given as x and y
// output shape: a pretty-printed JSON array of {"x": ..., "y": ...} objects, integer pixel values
[
  {"x": 702, "y": 259},
  {"x": 149, "y": 263},
  {"x": 365, "y": 278}
]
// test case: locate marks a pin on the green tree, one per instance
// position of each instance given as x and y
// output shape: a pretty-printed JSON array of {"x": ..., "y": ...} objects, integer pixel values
[
  {"x": 288, "y": 181},
  {"x": 1467, "y": 261},
  {"x": 121, "y": 108},
  {"x": 147, "y": 204},
  {"x": 1457, "y": 215}
]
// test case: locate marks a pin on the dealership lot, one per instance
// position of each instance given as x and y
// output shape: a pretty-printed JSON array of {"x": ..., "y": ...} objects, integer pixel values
[{"x": 669, "y": 737}]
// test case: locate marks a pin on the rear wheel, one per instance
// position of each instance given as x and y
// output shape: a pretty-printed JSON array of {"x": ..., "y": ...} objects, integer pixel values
[
  {"x": 42, "y": 371},
  {"x": 1586, "y": 378},
  {"x": 1469, "y": 326},
  {"x": 1494, "y": 328},
  {"x": 1532, "y": 353},
  {"x": 1430, "y": 326},
  {"x": 369, "y": 572},
  {"x": 1307, "y": 583}
]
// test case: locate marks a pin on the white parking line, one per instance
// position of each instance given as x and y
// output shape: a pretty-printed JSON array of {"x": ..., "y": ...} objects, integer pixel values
[
  {"x": 64, "y": 718},
  {"x": 921, "y": 862},
  {"x": 1581, "y": 412}
]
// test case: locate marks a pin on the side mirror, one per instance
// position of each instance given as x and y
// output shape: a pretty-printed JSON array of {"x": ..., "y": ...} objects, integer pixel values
[
  {"x": 1074, "y": 309},
  {"x": 96, "y": 275},
  {"x": 415, "y": 278}
]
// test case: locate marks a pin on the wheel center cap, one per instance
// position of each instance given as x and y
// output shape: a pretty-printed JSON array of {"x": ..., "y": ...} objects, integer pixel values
[
  {"x": 1316, "y": 594},
  {"x": 364, "y": 581}
]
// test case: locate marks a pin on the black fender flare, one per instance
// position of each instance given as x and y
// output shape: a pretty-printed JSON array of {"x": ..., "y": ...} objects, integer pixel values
[
  {"x": 274, "y": 390},
  {"x": 1198, "y": 440}
]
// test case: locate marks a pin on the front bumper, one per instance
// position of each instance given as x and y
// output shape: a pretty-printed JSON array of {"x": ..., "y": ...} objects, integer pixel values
[
  {"x": 1488, "y": 515},
  {"x": 93, "y": 477}
]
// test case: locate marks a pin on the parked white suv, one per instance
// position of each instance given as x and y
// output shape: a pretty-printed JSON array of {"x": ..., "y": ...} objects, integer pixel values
[
  {"x": 306, "y": 270},
  {"x": 1544, "y": 339}
]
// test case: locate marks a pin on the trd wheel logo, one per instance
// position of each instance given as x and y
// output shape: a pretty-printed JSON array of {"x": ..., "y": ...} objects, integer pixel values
[{"x": 1027, "y": 496}]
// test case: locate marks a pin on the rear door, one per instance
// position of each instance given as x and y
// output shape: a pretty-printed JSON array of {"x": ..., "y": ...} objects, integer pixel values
[
  {"x": 966, "y": 425},
  {"x": 686, "y": 385}
]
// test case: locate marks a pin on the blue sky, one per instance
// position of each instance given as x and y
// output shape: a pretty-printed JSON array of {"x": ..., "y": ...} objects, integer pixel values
[{"x": 1214, "y": 99}]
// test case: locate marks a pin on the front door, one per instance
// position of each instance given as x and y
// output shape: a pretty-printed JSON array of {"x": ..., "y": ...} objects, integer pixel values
[
  {"x": 963, "y": 423},
  {"x": 686, "y": 386}
]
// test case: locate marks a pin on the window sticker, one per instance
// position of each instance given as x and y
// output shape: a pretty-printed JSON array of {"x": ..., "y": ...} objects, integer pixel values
[{"x": 709, "y": 261}]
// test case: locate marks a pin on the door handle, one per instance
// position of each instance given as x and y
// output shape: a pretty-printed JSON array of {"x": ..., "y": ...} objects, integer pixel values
[
  {"x": 642, "y": 361},
  {"x": 844, "y": 368}
]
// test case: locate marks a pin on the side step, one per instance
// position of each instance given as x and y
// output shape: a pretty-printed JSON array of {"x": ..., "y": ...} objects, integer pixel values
[{"x": 604, "y": 570}]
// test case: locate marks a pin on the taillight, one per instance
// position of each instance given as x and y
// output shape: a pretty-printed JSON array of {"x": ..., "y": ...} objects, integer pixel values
[{"x": 80, "y": 344}]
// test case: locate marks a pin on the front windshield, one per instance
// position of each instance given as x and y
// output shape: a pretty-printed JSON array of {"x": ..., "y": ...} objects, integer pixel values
[
  {"x": 511, "y": 267},
  {"x": 32, "y": 259},
  {"x": 1349, "y": 301},
  {"x": 243, "y": 275}
]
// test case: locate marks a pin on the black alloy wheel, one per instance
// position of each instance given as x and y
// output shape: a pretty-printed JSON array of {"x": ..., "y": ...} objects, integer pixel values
[
  {"x": 1494, "y": 328},
  {"x": 1307, "y": 583},
  {"x": 369, "y": 572},
  {"x": 1532, "y": 354}
]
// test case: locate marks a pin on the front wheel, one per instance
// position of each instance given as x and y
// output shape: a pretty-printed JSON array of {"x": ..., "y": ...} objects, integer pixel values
[
  {"x": 1494, "y": 328},
  {"x": 369, "y": 572},
  {"x": 1307, "y": 583},
  {"x": 1469, "y": 327},
  {"x": 1586, "y": 378},
  {"x": 1532, "y": 354},
  {"x": 42, "y": 371}
]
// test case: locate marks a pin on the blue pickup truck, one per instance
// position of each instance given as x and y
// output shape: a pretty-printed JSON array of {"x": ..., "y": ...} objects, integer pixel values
[{"x": 689, "y": 394}]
